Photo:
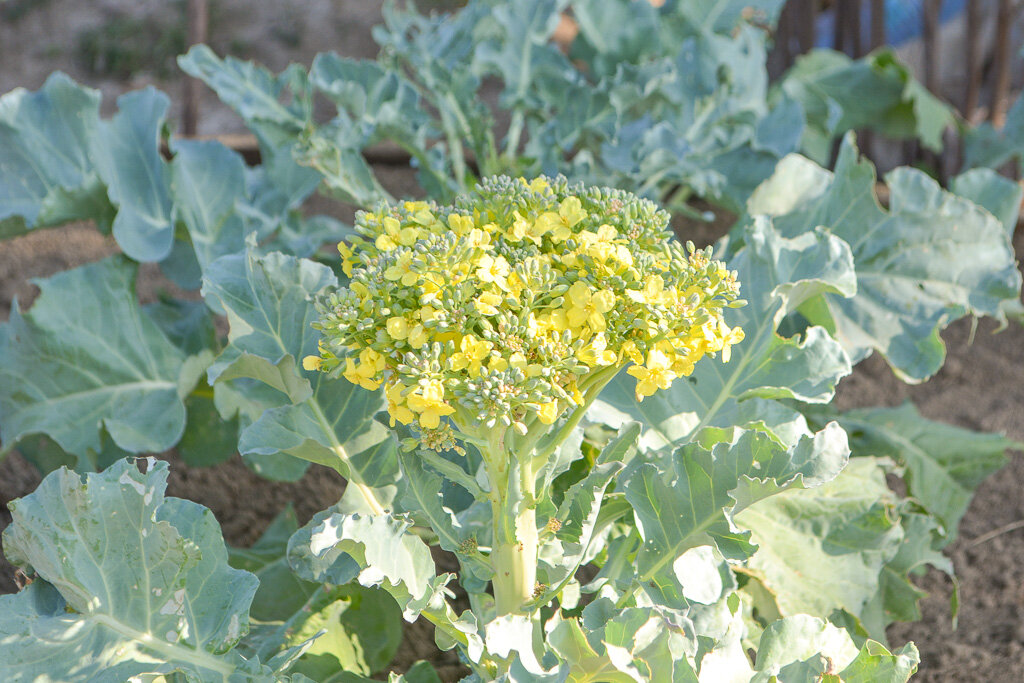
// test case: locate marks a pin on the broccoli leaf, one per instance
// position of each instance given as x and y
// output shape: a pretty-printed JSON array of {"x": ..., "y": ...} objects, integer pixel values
[{"x": 129, "y": 583}]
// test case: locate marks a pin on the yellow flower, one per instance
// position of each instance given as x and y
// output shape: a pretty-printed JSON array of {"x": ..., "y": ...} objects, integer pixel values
[
  {"x": 417, "y": 336},
  {"x": 406, "y": 236},
  {"x": 479, "y": 238},
  {"x": 560, "y": 223},
  {"x": 520, "y": 227},
  {"x": 372, "y": 359},
  {"x": 402, "y": 271},
  {"x": 539, "y": 184},
  {"x": 397, "y": 327},
  {"x": 596, "y": 353},
  {"x": 460, "y": 225},
  {"x": 385, "y": 243},
  {"x": 426, "y": 313},
  {"x": 311, "y": 363},
  {"x": 428, "y": 401},
  {"x": 361, "y": 374},
  {"x": 630, "y": 352},
  {"x": 548, "y": 412},
  {"x": 396, "y": 404},
  {"x": 657, "y": 374},
  {"x": 347, "y": 258},
  {"x": 488, "y": 302},
  {"x": 651, "y": 293},
  {"x": 492, "y": 269},
  {"x": 471, "y": 354},
  {"x": 514, "y": 285},
  {"x": 587, "y": 306},
  {"x": 729, "y": 337}
]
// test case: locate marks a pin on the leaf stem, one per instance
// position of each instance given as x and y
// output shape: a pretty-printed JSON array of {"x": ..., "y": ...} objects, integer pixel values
[
  {"x": 172, "y": 651},
  {"x": 348, "y": 471}
]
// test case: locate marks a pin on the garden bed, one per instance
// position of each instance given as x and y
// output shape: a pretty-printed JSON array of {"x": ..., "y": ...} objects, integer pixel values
[{"x": 981, "y": 387}]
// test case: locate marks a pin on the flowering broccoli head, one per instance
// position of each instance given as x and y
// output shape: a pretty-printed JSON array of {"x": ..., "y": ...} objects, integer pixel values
[{"x": 518, "y": 303}]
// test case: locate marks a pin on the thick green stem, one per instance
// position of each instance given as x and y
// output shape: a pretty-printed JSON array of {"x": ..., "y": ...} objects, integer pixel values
[
  {"x": 515, "y": 565},
  {"x": 514, "y": 553}
]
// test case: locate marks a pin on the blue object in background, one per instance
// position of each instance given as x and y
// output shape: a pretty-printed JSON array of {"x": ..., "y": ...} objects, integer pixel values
[{"x": 904, "y": 21}]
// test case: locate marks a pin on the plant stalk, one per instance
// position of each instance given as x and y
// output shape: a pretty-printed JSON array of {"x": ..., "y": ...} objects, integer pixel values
[
  {"x": 514, "y": 556},
  {"x": 515, "y": 565}
]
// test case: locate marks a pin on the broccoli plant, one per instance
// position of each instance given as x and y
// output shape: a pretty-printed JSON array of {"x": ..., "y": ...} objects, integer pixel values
[{"x": 635, "y": 474}]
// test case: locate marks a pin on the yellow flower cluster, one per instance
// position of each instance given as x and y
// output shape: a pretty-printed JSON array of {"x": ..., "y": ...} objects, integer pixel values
[{"x": 519, "y": 303}]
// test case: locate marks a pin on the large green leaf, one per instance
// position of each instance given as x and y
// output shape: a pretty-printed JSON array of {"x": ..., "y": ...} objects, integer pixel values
[
  {"x": 621, "y": 646},
  {"x": 60, "y": 163},
  {"x": 374, "y": 104},
  {"x": 385, "y": 554},
  {"x": 129, "y": 583},
  {"x": 691, "y": 498},
  {"x": 251, "y": 90},
  {"x": 356, "y": 630},
  {"x": 823, "y": 549},
  {"x": 281, "y": 593},
  {"x": 377, "y": 103},
  {"x": 515, "y": 43},
  {"x": 898, "y": 598},
  {"x": 930, "y": 259},
  {"x": 804, "y": 648},
  {"x": 876, "y": 92},
  {"x": 46, "y": 170},
  {"x": 422, "y": 495},
  {"x": 127, "y": 156},
  {"x": 207, "y": 179},
  {"x": 335, "y": 428},
  {"x": 989, "y": 190},
  {"x": 276, "y": 108},
  {"x": 777, "y": 275},
  {"x": 362, "y": 626},
  {"x": 944, "y": 464},
  {"x": 85, "y": 357},
  {"x": 268, "y": 302},
  {"x": 984, "y": 146}
]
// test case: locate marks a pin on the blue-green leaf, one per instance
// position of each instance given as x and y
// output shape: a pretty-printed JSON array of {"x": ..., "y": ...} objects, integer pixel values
[
  {"x": 690, "y": 499},
  {"x": 944, "y": 464},
  {"x": 384, "y": 553},
  {"x": 47, "y": 175},
  {"x": 804, "y": 648},
  {"x": 334, "y": 428},
  {"x": 823, "y": 549},
  {"x": 250, "y": 90},
  {"x": 85, "y": 357},
  {"x": 930, "y": 259},
  {"x": 127, "y": 156},
  {"x": 268, "y": 301},
  {"x": 130, "y": 582},
  {"x": 207, "y": 180},
  {"x": 778, "y": 275},
  {"x": 876, "y": 92}
]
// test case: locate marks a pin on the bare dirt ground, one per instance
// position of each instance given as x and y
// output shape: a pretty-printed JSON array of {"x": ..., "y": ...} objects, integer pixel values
[{"x": 981, "y": 386}]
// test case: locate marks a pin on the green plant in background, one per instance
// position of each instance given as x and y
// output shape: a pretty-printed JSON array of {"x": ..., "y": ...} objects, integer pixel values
[
  {"x": 723, "y": 513},
  {"x": 123, "y": 46}
]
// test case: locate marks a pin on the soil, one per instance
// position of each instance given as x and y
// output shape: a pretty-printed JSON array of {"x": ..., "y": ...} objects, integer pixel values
[{"x": 981, "y": 386}]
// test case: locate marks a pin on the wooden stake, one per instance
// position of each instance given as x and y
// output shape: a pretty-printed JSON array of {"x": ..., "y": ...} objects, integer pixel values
[{"x": 198, "y": 23}]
